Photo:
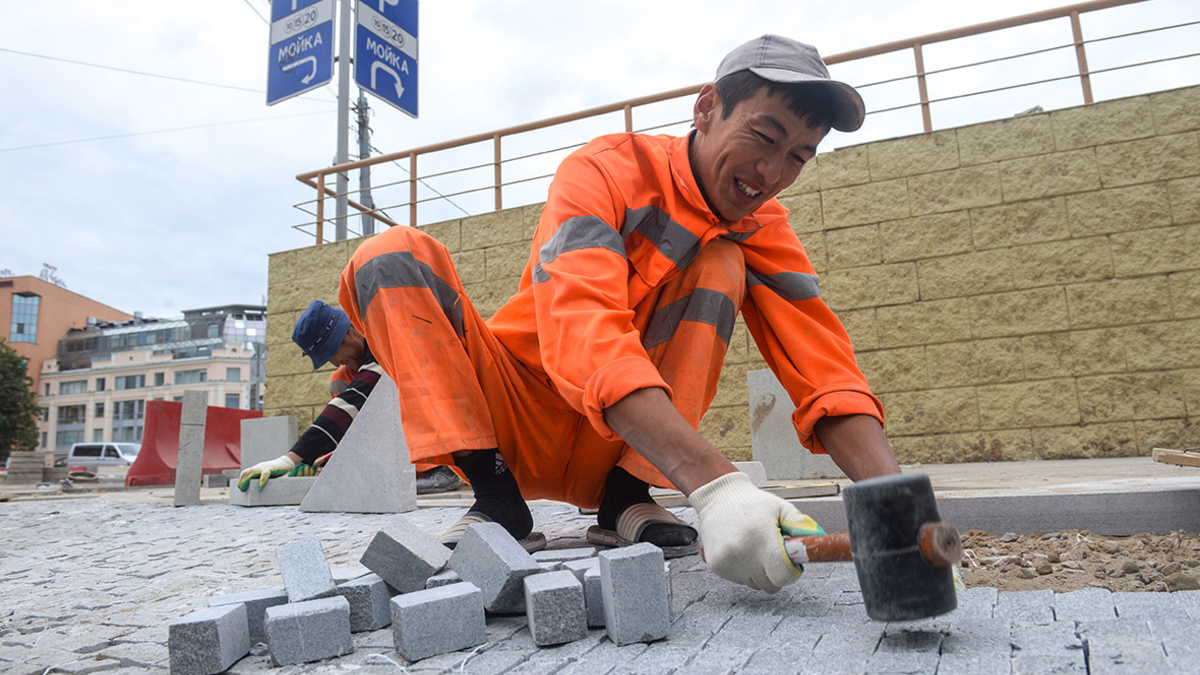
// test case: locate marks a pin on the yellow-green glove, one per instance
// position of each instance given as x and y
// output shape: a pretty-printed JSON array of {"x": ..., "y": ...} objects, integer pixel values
[{"x": 265, "y": 471}]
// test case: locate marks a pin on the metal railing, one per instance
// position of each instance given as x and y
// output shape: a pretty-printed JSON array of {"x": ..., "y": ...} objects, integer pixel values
[{"x": 318, "y": 179}]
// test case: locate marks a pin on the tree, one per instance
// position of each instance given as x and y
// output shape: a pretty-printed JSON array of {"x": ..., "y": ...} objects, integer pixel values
[{"x": 18, "y": 403}]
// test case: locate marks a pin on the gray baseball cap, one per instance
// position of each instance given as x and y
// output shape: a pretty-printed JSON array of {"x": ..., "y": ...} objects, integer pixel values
[{"x": 784, "y": 60}]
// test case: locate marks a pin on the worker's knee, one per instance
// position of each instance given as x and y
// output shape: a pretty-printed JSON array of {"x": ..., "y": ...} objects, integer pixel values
[{"x": 720, "y": 266}]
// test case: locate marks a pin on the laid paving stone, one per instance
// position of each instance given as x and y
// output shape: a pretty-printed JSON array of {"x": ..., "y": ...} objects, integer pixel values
[
  {"x": 208, "y": 640},
  {"x": 302, "y": 632},
  {"x": 851, "y": 643},
  {"x": 438, "y": 620},
  {"x": 1125, "y": 655},
  {"x": 917, "y": 663},
  {"x": 1189, "y": 601},
  {"x": 975, "y": 603},
  {"x": 1088, "y": 604},
  {"x": 285, "y": 491},
  {"x": 306, "y": 574},
  {"x": 554, "y": 608},
  {"x": 489, "y": 557},
  {"x": 1114, "y": 628},
  {"x": 404, "y": 555},
  {"x": 634, "y": 590},
  {"x": 974, "y": 664},
  {"x": 1146, "y": 605},
  {"x": 1045, "y": 640},
  {"x": 1059, "y": 664},
  {"x": 368, "y": 597},
  {"x": 977, "y": 637},
  {"x": 1180, "y": 638},
  {"x": 256, "y": 603},
  {"x": 1021, "y": 607}
]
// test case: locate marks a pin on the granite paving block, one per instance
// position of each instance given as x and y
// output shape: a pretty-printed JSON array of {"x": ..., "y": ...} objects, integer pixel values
[
  {"x": 1125, "y": 656},
  {"x": 285, "y": 491},
  {"x": 189, "y": 457},
  {"x": 858, "y": 641},
  {"x": 1189, "y": 601},
  {"x": 302, "y": 632},
  {"x": 305, "y": 571},
  {"x": 554, "y": 608},
  {"x": 975, "y": 603},
  {"x": 1060, "y": 664},
  {"x": 256, "y": 603},
  {"x": 215, "y": 480},
  {"x": 1088, "y": 604},
  {"x": 368, "y": 597},
  {"x": 564, "y": 554},
  {"x": 756, "y": 471},
  {"x": 266, "y": 438},
  {"x": 438, "y": 620},
  {"x": 903, "y": 640},
  {"x": 1115, "y": 628},
  {"x": 490, "y": 558},
  {"x": 975, "y": 664},
  {"x": 405, "y": 556},
  {"x": 370, "y": 471},
  {"x": 978, "y": 636},
  {"x": 1180, "y": 638},
  {"x": 443, "y": 578},
  {"x": 1020, "y": 607},
  {"x": 343, "y": 574},
  {"x": 773, "y": 439},
  {"x": 1132, "y": 605},
  {"x": 634, "y": 590},
  {"x": 909, "y": 663},
  {"x": 1049, "y": 639},
  {"x": 208, "y": 640},
  {"x": 593, "y": 597}
]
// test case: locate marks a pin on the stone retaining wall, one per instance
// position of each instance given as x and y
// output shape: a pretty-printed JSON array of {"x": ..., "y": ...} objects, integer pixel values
[{"x": 1015, "y": 289}]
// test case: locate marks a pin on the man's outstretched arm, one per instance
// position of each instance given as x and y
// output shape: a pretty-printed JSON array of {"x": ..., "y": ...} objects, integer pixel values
[{"x": 857, "y": 445}]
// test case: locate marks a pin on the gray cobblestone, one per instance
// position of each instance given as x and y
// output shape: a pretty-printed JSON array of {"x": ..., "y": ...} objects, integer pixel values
[
  {"x": 1022, "y": 607},
  {"x": 1089, "y": 604}
]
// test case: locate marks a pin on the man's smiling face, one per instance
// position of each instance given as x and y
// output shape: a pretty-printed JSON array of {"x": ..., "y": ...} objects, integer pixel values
[{"x": 743, "y": 160}]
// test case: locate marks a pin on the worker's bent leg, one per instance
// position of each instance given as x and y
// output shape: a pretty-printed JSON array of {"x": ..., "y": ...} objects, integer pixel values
[{"x": 402, "y": 292}]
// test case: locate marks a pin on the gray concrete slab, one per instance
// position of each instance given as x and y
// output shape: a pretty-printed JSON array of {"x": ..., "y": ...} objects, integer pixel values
[
  {"x": 266, "y": 438},
  {"x": 89, "y": 591},
  {"x": 189, "y": 458},
  {"x": 773, "y": 439}
]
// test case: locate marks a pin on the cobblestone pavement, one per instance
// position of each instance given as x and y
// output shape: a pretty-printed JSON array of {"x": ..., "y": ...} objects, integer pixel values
[{"x": 90, "y": 584}]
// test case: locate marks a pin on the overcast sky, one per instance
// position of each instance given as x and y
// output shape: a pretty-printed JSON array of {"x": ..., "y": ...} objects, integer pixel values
[{"x": 158, "y": 220}]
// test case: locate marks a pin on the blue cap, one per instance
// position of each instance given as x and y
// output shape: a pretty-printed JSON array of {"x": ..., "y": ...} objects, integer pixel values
[{"x": 319, "y": 332}]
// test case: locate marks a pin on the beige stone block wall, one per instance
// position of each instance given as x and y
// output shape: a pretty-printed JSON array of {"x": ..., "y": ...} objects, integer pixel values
[{"x": 1025, "y": 288}]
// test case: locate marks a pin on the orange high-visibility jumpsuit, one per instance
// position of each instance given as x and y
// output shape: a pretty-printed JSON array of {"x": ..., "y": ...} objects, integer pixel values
[{"x": 632, "y": 282}]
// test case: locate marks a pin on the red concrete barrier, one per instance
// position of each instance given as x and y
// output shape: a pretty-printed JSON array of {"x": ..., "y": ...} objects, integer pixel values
[{"x": 155, "y": 464}]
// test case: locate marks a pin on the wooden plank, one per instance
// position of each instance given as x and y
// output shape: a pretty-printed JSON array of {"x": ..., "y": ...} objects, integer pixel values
[
  {"x": 1176, "y": 457},
  {"x": 787, "y": 492}
]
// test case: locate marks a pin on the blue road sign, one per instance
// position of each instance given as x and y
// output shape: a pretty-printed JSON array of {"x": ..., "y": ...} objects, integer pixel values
[
  {"x": 301, "y": 51},
  {"x": 385, "y": 49}
]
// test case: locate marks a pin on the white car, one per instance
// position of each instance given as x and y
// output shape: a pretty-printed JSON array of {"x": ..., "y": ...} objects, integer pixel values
[{"x": 92, "y": 456}]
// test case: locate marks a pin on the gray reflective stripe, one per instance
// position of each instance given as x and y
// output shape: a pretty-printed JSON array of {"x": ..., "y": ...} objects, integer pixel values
[
  {"x": 738, "y": 236},
  {"x": 673, "y": 240},
  {"x": 790, "y": 286},
  {"x": 702, "y": 306},
  {"x": 574, "y": 234},
  {"x": 400, "y": 269}
]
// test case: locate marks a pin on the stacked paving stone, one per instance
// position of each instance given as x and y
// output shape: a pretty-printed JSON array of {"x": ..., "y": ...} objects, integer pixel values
[{"x": 436, "y": 601}]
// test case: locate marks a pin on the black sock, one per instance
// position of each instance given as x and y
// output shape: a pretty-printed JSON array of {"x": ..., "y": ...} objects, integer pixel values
[
  {"x": 622, "y": 490},
  {"x": 496, "y": 492}
]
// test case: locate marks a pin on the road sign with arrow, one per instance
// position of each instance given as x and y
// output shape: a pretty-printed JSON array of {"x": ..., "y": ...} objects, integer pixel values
[
  {"x": 301, "y": 51},
  {"x": 385, "y": 61}
]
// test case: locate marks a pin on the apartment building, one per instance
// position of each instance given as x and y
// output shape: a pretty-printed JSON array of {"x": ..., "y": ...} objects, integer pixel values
[
  {"x": 37, "y": 313},
  {"x": 97, "y": 386}
]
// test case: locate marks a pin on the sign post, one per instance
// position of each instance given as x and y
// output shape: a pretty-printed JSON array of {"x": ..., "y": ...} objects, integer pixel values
[
  {"x": 385, "y": 61},
  {"x": 301, "y": 50}
]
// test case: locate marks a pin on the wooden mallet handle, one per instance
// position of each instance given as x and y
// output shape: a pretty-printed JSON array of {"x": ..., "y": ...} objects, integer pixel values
[{"x": 939, "y": 543}]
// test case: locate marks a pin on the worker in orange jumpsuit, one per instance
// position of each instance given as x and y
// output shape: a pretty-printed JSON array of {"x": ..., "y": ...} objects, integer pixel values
[{"x": 588, "y": 385}]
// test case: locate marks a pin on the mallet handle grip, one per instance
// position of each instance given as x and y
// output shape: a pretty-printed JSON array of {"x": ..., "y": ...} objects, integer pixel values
[{"x": 939, "y": 543}]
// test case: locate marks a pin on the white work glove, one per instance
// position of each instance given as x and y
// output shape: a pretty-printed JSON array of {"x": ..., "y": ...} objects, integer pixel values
[
  {"x": 741, "y": 529},
  {"x": 265, "y": 471}
]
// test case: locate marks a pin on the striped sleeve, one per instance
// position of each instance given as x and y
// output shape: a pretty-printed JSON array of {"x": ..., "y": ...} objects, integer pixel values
[{"x": 327, "y": 430}]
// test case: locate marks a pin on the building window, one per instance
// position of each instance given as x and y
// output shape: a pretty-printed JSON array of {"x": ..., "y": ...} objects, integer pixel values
[
  {"x": 128, "y": 410},
  {"x": 43, "y": 439},
  {"x": 65, "y": 439},
  {"x": 177, "y": 399},
  {"x": 45, "y": 414},
  {"x": 191, "y": 376},
  {"x": 129, "y": 382},
  {"x": 97, "y": 435},
  {"x": 160, "y": 379},
  {"x": 72, "y": 387},
  {"x": 47, "y": 389},
  {"x": 233, "y": 400},
  {"x": 71, "y": 414},
  {"x": 233, "y": 374},
  {"x": 100, "y": 410},
  {"x": 24, "y": 318},
  {"x": 100, "y": 384}
]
